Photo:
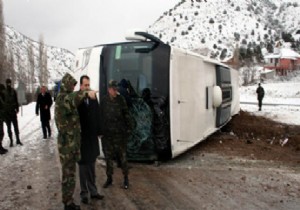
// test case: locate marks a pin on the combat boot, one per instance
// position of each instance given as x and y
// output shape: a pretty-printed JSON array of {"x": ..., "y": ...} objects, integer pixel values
[
  {"x": 108, "y": 182},
  {"x": 72, "y": 206},
  {"x": 126, "y": 182},
  {"x": 18, "y": 140}
]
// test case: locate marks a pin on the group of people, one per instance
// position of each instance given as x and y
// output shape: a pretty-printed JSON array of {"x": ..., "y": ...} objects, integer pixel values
[
  {"x": 9, "y": 108},
  {"x": 80, "y": 120}
]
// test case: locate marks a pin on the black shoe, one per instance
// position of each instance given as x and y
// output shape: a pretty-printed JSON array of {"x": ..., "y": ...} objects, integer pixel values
[
  {"x": 85, "y": 200},
  {"x": 3, "y": 151},
  {"x": 126, "y": 183},
  {"x": 11, "y": 144},
  {"x": 2, "y": 148},
  {"x": 97, "y": 196},
  {"x": 72, "y": 206},
  {"x": 45, "y": 137},
  {"x": 108, "y": 182},
  {"x": 19, "y": 142}
]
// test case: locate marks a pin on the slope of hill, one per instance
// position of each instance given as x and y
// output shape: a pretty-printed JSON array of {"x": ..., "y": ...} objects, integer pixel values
[
  {"x": 215, "y": 28},
  {"x": 59, "y": 61}
]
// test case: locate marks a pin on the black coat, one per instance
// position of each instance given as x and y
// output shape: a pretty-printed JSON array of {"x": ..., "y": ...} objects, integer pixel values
[
  {"x": 89, "y": 114},
  {"x": 260, "y": 93},
  {"x": 41, "y": 102}
]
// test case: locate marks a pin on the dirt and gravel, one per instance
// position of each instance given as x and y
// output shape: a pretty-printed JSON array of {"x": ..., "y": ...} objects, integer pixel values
[{"x": 252, "y": 163}]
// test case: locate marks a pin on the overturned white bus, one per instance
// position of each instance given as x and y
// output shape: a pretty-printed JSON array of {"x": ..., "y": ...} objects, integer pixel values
[{"x": 189, "y": 96}]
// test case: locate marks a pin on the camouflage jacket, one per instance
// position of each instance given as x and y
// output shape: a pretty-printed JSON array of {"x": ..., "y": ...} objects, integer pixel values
[
  {"x": 115, "y": 118},
  {"x": 66, "y": 114}
]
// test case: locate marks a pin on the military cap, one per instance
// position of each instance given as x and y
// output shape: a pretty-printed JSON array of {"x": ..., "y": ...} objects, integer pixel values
[{"x": 113, "y": 84}]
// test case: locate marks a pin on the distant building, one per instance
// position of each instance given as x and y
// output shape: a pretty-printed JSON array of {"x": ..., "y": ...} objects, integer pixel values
[
  {"x": 282, "y": 60},
  {"x": 267, "y": 74}
]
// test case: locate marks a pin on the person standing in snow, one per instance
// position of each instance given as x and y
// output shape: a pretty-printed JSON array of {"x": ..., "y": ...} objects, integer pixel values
[
  {"x": 2, "y": 118},
  {"x": 68, "y": 139},
  {"x": 43, "y": 105},
  {"x": 260, "y": 95},
  {"x": 116, "y": 126},
  {"x": 89, "y": 115},
  {"x": 12, "y": 109}
]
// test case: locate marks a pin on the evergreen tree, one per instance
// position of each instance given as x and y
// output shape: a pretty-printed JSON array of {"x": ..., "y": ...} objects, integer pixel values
[
  {"x": 43, "y": 71},
  {"x": 31, "y": 67}
]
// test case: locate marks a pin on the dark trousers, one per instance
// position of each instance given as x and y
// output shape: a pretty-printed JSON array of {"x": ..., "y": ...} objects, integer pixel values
[
  {"x": 259, "y": 103},
  {"x": 46, "y": 125},
  {"x": 13, "y": 121},
  {"x": 1, "y": 132},
  {"x": 87, "y": 178}
]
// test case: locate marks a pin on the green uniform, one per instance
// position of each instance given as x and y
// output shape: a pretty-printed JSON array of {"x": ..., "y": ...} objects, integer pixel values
[
  {"x": 68, "y": 140},
  {"x": 116, "y": 126}
]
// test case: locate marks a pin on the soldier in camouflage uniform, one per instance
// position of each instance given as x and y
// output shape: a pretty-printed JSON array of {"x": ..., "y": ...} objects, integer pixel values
[
  {"x": 116, "y": 127},
  {"x": 68, "y": 140}
]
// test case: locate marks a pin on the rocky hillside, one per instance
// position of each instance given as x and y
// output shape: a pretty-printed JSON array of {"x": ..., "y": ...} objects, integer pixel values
[
  {"x": 59, "y": 60},
  {"x": 215, "y": 28}
]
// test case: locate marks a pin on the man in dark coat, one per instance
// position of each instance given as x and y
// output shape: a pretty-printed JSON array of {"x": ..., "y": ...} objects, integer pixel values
[
  {"x": 43, "y": 105},
  {"x": 11, "y": 110},
  {"x": 260, "y": 95},
  {"x": 2, "y": 118},
  {"x": 116, "y": 126},
  {"x": 90, "y": 124}
]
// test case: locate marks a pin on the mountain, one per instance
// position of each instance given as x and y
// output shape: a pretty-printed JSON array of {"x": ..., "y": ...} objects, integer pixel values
[
  {"x": 216, "y": 27},
  {"x": 59, "y": 61}
]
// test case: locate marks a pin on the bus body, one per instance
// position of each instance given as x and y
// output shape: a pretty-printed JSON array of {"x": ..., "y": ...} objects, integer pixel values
[{"x": 191, "y": 96}]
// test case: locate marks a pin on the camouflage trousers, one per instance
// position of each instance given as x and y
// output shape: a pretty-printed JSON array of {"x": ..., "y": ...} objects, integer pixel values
[
  {"x": 115, "y": 146},
  {"x": 69, "y": 155}
]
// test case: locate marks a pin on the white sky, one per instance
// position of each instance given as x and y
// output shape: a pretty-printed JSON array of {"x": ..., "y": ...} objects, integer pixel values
[{"x": 72, "y": 24}]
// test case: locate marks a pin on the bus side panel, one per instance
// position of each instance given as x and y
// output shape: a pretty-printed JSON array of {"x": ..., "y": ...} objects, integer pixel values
[
  {"x": 235, "y": 104},
  {"x": 191, "y": 120}
]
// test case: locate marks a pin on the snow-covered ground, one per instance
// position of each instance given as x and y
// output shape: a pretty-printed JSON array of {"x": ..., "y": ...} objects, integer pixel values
[{"x": 281, "y": 102}]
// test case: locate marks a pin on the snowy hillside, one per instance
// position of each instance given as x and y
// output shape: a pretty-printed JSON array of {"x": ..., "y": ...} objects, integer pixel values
[
  {"x": 59, "y": 60},
  {"x": 216, "y": 27}
]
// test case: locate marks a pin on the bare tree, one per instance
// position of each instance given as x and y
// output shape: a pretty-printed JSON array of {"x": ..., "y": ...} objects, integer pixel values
[
  {"x": 41, "y": 60},
  {"x": 10, "y": 66},
  {"x": 43, "y": 70},
  {"x": 31, "y": 79},
  {"x": 3, "y": 58},
  {"x": 45, "y": 67}
]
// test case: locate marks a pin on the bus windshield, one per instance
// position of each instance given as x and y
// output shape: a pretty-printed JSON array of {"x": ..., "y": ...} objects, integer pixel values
[
  {"x": 144, "y": 67},
  {"x": 143, "y": 64}
]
